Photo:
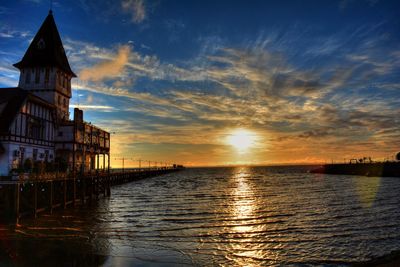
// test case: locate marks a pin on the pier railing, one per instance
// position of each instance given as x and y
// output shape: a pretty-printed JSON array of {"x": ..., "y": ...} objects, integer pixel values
[
  {"x": 34, "y": 194},
  {"x": 64, "y": 175}
]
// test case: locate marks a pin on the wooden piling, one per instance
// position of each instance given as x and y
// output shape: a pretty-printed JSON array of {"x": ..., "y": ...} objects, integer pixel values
[
  {"x": 74, "y": 192},
  {"x": 83, "y": 191},
  {"x": 97, "y": 186},
  {"x": 108, "y": 186},
  {"x": 91, "y": 189},
  {"x": 35, "y": 199},
  {"x": 34, "y": 196},
  {"x": 65, "y": 194},
  {"x": 51, "y": 196},
  {"x": 17, "y": 200}
]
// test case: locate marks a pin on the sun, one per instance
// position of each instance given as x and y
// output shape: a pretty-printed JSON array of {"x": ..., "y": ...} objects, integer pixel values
[{"x": 241, "y": 139}]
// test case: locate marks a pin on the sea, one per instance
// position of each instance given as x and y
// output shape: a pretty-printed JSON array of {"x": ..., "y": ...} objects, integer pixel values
[{"x": 233, "y": 216}]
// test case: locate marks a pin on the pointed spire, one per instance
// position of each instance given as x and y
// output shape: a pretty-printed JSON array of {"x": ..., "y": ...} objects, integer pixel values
[
  {"x": 51, "y": 7},
  {"x": 46, "y": 49}
]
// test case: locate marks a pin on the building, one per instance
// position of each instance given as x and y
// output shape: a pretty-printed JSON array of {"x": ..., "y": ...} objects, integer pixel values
[
  {"x": 82, "y": 144},
  {"x": 34, "y": 117},
  {"x": 27, "y": 127}
]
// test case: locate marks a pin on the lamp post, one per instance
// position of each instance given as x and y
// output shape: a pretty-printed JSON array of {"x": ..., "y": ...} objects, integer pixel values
[{"x": 123, "y": 162}]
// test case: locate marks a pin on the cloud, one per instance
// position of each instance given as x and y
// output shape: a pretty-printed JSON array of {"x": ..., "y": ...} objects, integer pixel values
[
  {"x": 146, "y": 98},
  {"x": 136, "y": 8},
  {"x": 8, "y": 32},
  {"x": 258, "y": 71},
  {"x": 332, "y": 93},
  {"x": 8, "y": 74},
  {"x": 297, "y": 109},
  {"x": 89, "y": 99},
  {"x": 4, "y": 10},
  {"x": 34, "y": 1},
  {"x": 92, "y": 107},
  {"x": 107, "y": 69},
  {"x": 83, "y": 56},
  {"x": 343, "y": 4}
]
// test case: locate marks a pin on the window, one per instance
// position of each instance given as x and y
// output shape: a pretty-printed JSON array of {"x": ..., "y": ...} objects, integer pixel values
[
  {"x": 37, "y": 75},
  {"x": 60, "y": 133},
  {"x": 59, "y": 100},
  {"x": 65, "y": 102},
  {"x": 35, "y": 128}
]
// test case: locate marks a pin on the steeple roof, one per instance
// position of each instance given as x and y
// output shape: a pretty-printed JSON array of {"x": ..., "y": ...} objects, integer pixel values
[{"x": 46, "y": 49}]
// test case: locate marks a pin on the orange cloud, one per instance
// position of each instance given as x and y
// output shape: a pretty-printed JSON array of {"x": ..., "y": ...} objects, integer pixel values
[{"x": 107, "y": 69}]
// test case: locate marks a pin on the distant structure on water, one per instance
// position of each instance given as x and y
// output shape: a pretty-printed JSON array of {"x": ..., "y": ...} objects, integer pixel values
[
  {"x": 35, "y": 128},
  {"x": 363, "y": 166}
]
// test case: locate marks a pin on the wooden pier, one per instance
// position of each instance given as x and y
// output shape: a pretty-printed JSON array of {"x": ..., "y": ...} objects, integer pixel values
[{"x": 29, "y": 197}]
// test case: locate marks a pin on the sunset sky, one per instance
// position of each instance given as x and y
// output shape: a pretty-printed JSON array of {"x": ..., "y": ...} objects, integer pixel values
[{"x": 226, "y": 82}]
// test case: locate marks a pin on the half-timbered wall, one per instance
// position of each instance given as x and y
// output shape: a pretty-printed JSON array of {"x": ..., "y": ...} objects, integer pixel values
[
  {"x": 31, "y": 135},
  {"x": 34, "y": 124},
  {"x": 50, "y": 84}
]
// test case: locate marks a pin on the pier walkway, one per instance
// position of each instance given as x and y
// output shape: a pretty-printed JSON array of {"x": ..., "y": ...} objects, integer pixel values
[{"x": 41, "y": 193}]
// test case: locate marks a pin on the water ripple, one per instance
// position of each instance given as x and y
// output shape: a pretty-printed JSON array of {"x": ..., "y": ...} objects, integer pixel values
[{"x": 239, "y": 216}]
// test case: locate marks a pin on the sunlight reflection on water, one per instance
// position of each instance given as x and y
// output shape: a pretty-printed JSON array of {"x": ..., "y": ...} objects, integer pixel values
[{"x": 223, "y": 216}]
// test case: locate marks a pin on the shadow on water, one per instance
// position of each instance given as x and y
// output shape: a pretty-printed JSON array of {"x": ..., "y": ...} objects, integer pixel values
[
  {"x": 60, "y": 239},
  {"x": 35, "y": 252}
]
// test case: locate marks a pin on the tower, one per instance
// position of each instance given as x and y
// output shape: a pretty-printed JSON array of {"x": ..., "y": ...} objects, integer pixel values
[{"x": 44, "y": 69}]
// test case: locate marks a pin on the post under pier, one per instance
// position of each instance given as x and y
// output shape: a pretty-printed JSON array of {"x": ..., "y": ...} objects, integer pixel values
[{"x": 34, "y": 196}]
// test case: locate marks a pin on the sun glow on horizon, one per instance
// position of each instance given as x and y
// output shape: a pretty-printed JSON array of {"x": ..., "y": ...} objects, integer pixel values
[{"x": 241, "y": 139}]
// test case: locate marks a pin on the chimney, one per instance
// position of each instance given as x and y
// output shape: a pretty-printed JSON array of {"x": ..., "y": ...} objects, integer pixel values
[{"x": 78, "y": 115}]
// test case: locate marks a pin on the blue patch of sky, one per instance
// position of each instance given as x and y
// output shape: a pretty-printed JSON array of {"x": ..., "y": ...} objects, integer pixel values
[{"x": 297, "y": 30}]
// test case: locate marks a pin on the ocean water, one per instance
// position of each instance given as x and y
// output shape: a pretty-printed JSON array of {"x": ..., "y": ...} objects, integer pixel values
[{"x": 241, "y": 216}]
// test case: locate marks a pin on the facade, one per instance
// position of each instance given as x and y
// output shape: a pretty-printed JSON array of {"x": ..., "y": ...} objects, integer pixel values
[
  {"x": 82, "y": 144},
  {"x": 27, "y": 127},
  {"x": 35, "y": 123}
]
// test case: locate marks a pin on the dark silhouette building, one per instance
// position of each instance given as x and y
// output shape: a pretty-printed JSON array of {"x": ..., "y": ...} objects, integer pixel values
[{"x": 34, "y": 117}]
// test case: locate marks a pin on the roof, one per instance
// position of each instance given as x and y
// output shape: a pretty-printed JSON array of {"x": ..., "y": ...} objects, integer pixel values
[
  {"x": 11, "y": 101},
  {"x": 46, "y": 49}
]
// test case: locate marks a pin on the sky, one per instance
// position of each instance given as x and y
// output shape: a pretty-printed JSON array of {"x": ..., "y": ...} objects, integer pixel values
[{"x": 205, "y": 83}]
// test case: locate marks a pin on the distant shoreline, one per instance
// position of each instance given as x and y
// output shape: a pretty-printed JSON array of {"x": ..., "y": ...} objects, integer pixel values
[{"x": 254, "y": 166}]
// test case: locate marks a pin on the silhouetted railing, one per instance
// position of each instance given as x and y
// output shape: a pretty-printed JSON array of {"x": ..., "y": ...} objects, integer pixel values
[{"x": 35, "y": 193}]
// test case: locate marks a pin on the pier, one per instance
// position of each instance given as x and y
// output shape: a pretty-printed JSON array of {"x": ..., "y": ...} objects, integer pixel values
[
  {"x": 45, "y": 193},
  {"x": 377, "y": 169}
]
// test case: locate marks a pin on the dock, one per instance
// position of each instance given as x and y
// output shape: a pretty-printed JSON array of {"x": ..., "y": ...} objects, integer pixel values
[
  {"x": 377, "y": 169},
  {"x": 45, "y": 193}
]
